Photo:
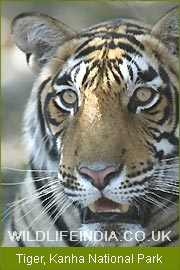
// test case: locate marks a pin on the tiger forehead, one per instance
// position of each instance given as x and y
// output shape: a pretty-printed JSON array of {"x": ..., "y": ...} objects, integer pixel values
[
  {"x": 108, "y": 55},
  {"x": 113, "y": 37},
  {"x": 102, "y": 49},
  {"x": 105, "y": 66}
]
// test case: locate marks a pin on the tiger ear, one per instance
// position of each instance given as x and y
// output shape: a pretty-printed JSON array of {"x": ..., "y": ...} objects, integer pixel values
[
  {"x": 39, "y": 36},
  {"x": 167, "y": 30}
]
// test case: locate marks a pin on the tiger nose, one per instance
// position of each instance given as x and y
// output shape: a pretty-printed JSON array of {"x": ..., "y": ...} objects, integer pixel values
[{"x": 100, "y": 178}]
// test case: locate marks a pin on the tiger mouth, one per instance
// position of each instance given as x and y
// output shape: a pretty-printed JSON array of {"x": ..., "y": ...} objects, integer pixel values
[{"x": 108, "y": 211}]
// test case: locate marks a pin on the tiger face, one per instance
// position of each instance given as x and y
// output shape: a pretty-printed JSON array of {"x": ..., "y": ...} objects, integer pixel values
[{"x": 106, "y": 120}]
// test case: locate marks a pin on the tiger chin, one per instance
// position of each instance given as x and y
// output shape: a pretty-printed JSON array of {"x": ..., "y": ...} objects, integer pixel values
[{"x": 101, "y": 130}]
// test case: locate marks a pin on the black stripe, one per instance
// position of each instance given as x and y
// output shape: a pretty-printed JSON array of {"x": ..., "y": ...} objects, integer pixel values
[
  {"x": 165, "y": 117},
  {"x": 51, "y": 149},
  {"x": 131, "y": 60},
  {"x": 151, "y": 146},
  {"x": 134, "y": 32},
  {"x": 40, "y": 114},
  {"x": 111, "y": 35},
  {"x": 115, "y": 67},
  {"x": 94, "y": 64},
  {"x": 84, "y": 44},
  {"x": 89, "y": 50},
  {"x": 164, "y": 75},
  {"x": 154, "y": 130},
  {"x": 148, "y": 75},
  {"x": 168, "y": 94},
  {"x": 154, "y": 112},
  {"x": 64, "y": 80},
  {"x": 28, "y": 55},
  {"x": 176, "y": 107},
  {"x": 92, "y": 35},
  {"x": 116, "y": 77},
  {"x": 121, "y": 44},
  {"x": 129, "y": 24},
  {"x": 136, "y": 42},
  {"x": 47, "y": 115},
  {"x": 128, "y": 48},
  {"x": 64, "y": 112},
  {"x": 108, "y": 79},
  {"x": 170, "y": 137}
]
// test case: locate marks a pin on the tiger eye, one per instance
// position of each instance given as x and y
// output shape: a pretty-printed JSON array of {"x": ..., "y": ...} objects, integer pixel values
[
  {"x": 69, "y": 97},
  {"x": 143, "y": 94}
]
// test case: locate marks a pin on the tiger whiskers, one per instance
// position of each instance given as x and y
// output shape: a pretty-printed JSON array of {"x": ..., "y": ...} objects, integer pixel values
[
  {"x": 61, "y": 205},
  {"x": 15, "y": 204},
  {"x": 22, "y": 182},
  {"x": 27, "y": 212},
  {"x": 136, "y": 203},
  {"x": 164, "y": 199},
  {"x": 150, "y": 199},
  {"x": 51, "y": 201},
  {"x": 59, "y": 60},
  {"x": 166, "y": 188},
  {"x": 38, "y": 193},
  {"x": 75, "y": 206},
  {"x": 63, "y": 200},
  {"x": 29, "y": 170},
  {"x": 60, "y": 212}
]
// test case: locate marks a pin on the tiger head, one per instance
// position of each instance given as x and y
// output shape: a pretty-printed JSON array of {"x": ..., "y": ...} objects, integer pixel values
[{"x": 102, "y": 120}]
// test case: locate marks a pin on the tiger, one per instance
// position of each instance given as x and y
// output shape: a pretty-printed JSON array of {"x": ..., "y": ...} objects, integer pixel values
[{"x": 101, "y": 133}]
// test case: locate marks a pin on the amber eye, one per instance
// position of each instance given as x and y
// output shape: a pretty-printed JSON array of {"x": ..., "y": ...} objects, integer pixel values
[
  {"x": 68, "y": 97},
  {"x": 67, "y": 100},
  {"x": 143, "y": 98},
  {"x": 144, "y": 95}
]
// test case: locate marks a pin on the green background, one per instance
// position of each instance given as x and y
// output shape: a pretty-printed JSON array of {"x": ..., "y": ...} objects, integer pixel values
[{"x": 170, "y": 259}]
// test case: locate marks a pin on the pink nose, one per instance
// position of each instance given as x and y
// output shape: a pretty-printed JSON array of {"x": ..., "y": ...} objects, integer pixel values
[{"x": 99, "y": 179}]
